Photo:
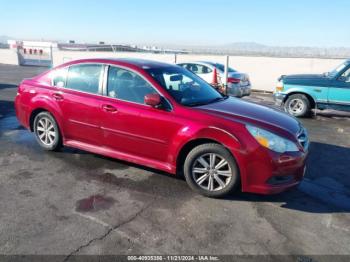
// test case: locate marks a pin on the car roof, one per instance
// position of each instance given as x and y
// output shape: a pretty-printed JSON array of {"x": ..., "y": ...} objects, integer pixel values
[
  {"x": 133, "y": 62},
  {"x": 200, "y": 62},
  {"x": 206, "y": 63},
  {"x": 209, "y": 62}
]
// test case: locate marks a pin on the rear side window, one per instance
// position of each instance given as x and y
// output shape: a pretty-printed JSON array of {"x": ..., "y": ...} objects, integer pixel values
[
  {"x": 221, "y": 67},
  {"x": 59, "y": 77},
  {"x": 126, "y": 85},
  {"x": 187, "y": 66},
  {"x": 197, "y": 68},
  {"x": 85, "y": 78},
  {"x": 203, "y": 69},
  {"x": 184, "y": 65}
]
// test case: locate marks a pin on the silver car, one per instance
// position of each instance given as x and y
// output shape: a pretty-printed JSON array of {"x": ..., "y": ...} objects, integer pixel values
[{"x": 238, "y": 84}]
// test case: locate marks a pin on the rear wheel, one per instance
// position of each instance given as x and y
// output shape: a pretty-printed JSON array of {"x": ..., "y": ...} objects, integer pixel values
[
  {"x": 46, "y": 131},
  {"x": 298, "y": 105},
  {"x": 211, "y": 170}
]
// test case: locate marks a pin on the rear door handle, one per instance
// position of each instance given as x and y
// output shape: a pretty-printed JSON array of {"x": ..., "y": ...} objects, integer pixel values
[
  {"x": 109, "y": 108},
  {"x": 57, "y": 96}
]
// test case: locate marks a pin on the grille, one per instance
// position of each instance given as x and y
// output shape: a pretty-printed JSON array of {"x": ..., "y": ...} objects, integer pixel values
[{"x": 303, "y": 138}]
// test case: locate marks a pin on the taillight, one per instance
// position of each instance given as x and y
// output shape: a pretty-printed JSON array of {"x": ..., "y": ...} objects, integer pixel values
[{"x": 233, "y": 80}]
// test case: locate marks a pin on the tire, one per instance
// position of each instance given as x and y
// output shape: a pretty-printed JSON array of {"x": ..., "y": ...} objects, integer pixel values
[
  {"x": 47, "y": 132},
  {"x": 298, "y": 105},
  {"x": 227, "y": 173}
]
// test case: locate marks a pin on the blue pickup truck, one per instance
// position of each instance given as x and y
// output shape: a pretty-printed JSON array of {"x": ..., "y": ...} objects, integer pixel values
[{"x": 298, "y": 94}]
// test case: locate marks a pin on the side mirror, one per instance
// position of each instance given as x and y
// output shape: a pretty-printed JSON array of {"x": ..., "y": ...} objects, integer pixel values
[
  {"x": 342, "y": 79},
  {"x": 153, "y": 100}
]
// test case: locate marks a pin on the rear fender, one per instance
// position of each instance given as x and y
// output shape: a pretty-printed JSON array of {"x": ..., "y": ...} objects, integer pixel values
[{"x": 46, "y": 103}]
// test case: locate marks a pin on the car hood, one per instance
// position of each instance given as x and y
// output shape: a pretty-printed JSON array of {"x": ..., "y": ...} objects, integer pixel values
[
  {"x": 304, "y": 76},
  {"x": 254, "y": 114},
  {"x": 305, "y": 79}
]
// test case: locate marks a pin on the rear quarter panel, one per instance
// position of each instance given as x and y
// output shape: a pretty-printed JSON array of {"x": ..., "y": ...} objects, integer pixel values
[{"x": 33, "y": 96}]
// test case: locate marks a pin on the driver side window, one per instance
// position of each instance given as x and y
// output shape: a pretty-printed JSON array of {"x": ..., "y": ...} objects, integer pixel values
[
  {"x": 127, "y": 85},
  {"x": 346, "y": 76}
]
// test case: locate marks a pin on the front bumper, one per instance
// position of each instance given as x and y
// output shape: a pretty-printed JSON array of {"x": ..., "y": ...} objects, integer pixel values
[
  {"x": 279, "y": 98},
  {"x": 267, "y": 172}
]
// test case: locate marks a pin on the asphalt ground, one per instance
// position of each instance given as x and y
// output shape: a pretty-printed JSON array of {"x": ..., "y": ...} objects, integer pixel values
[{"x": 74, "y": 202}]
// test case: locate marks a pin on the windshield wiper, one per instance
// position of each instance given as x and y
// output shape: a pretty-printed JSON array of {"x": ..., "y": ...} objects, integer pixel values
[
  {"x": 196, "y": 104},
  {"x": 217, "y": 99}
]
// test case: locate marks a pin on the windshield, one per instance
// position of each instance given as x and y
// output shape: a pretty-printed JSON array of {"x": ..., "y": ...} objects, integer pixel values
[
  {"x": 221, "y": 67},
  {"x": 184, "y": 86},
  {"x": 337, "y": 70}
]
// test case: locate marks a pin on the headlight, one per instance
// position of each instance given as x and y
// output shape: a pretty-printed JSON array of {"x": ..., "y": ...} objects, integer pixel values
[{"x": 272, "y": 141}]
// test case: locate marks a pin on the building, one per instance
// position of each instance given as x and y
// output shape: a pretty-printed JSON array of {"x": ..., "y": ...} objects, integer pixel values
[{"x": 33, "y": 52}]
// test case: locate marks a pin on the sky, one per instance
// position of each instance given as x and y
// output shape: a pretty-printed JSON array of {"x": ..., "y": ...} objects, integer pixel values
[{"x": 317, "y": 23}]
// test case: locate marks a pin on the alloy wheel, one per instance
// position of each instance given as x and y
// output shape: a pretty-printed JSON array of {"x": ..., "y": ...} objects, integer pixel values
[
  {"x": 46, "y": 132},
  {"x": 211, "y": 172},
  {"x": 296, "y": 106}
]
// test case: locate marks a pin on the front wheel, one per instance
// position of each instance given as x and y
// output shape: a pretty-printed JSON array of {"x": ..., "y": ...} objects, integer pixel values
[
  {"x": 298, "y": 105},
  {"x": 211, "y": 170},
  {"x": 47, "y": 132}
]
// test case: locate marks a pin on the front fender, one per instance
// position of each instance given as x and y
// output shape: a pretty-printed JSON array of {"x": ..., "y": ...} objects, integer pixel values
[
  {"x": 219, "y": 135},
  {"x": 315, "y": 92}
]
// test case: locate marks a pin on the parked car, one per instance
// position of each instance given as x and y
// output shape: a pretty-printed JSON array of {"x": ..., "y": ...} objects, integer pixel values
[
  {"x": 164, "y": 117},
  {"x": 298, "y": 94},
  {"x": 238, "y": 83}
]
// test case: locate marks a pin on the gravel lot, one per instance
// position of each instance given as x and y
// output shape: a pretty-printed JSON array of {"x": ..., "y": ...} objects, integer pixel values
[{"x": 73, "y": 202}]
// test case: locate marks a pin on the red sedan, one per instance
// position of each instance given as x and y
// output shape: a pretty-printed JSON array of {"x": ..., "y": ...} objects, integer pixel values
[{"x": 165, "y": 117}]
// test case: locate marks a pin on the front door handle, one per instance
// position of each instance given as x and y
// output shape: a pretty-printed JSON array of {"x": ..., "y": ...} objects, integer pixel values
[
  {"x": 109, "y": 108},
  {"x": 57, "y": 96}
]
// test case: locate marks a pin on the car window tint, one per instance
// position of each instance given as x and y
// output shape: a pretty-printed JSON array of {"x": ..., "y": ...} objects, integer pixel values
[
  {"x": 188, "y": 66},
  {"x": 126, "y": 85},
  {"x": 85, "y": 78},
  {"x": 185, "y": 87},
  {"x": 221, "y": 68},
  {"x": 59, "y": 77},
  {"x": 346, "y": 75},
  {"x": 197, "y": 68},
  {"x": 203, "y": 69},
  {"x": 175, "y": 84}
]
